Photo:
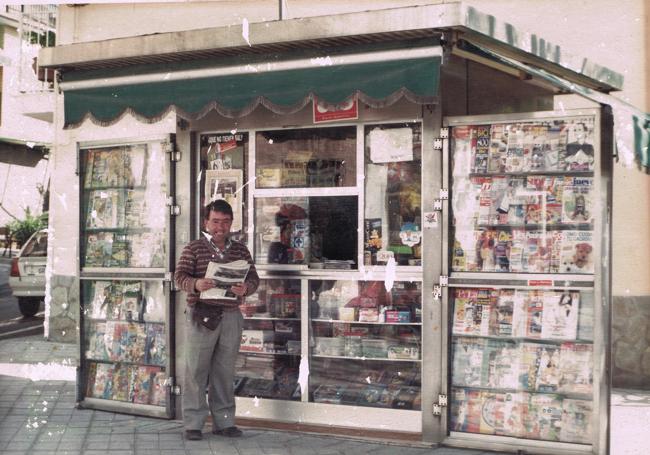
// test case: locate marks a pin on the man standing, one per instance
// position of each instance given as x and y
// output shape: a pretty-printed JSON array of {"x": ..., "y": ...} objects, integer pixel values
[{"x": 214, "y": 326}]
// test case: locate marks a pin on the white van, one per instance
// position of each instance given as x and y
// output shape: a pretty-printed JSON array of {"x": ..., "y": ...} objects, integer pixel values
[{"x": 27, "y": 275}]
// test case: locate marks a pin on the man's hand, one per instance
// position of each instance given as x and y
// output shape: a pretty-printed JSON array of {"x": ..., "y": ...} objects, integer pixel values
[
  {"x": 239, "y": 289},
  {"x": 203, "y": 284}
]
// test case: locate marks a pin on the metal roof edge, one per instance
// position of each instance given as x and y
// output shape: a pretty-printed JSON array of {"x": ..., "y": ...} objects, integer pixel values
[
  {"x": 541, "y": 51},
  {"x": 338, "y": 29},
  {"x": 299, "y": 30}
]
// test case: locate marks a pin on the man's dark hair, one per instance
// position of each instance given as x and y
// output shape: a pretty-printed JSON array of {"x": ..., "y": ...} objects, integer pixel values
[{"x": 220, "y": 206}]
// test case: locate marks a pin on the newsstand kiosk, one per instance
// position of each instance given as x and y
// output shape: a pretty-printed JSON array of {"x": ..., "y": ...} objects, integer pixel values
[{"x": 432, "y": 235}]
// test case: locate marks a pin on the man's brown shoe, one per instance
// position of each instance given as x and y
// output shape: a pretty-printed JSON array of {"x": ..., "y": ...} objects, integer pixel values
[
  {"x": 193, "y": 435},
  {"x": 230, "y": 432}
]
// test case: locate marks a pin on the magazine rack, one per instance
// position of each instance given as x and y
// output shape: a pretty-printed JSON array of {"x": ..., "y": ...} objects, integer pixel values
[
  {"x": 526, "y": 335},
  {"x": 126, "y": 364}
]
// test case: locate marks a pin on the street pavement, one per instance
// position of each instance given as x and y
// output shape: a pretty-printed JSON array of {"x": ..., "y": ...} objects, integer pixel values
[{"x": 38, "y": 416}]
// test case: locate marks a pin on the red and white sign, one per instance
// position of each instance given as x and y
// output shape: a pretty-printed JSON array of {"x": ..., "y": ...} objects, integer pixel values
[
  {"x": 325, "y": 112},
  {"x": 540, "y": 283}
]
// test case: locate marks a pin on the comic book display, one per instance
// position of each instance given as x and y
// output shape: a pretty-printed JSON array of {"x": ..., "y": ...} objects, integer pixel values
[
  {"x": 125, "y": 346},
  {"x": 516, "y": 354},
  {"x": 524, "y": 206},
  {"x": 124, "y": 336},
  {"x": 366, "y": 348},
  {"x": 123, "y": 202}
]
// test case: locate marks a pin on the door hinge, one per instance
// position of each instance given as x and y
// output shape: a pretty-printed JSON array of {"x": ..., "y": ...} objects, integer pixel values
[
  {"x": 174, "y": 210},
  {"x": 437, "y": 292},
  {"x": 169, "y": 278},
  {"x": 437, "y": 144},
  {"x": 444, "y": 280},
  {"x": 173, "y": 388},
  {"x": 169, "y": 146},
  {"x": 442, "y": 403},
  {"x": 443, "y": 194},
  {"x": 444, "y": 132}
]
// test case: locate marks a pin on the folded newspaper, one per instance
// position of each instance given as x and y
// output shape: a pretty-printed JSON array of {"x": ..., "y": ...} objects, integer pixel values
[{"x": 224, "y": 276}]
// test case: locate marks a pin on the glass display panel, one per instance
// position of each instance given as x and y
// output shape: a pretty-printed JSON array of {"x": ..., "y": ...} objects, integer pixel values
[
  {"x": 522, "y": 363},
  {"x": 223, "y": 175},
  {"x": 124, "y": 206},
  {"x": 269, "y": 359},
  {"x": 392, "y": 213},
  {"x": 523, "y": 197},
  {"x": 317, "y": 231},
  {"x": 306, "y": 158},
  {"x": 125, "y": 341},
  {"x": 365, "y": 343}
]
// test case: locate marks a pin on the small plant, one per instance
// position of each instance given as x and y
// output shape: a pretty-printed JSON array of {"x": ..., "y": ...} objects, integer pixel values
[{"x": 21, "y": 230}]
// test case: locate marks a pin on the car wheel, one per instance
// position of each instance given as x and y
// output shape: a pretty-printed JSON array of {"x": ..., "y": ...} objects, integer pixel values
[{"x": 29, "y": 305}]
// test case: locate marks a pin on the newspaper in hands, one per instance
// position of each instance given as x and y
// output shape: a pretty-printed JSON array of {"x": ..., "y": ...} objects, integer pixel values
[{"x": 224, "y": 276}]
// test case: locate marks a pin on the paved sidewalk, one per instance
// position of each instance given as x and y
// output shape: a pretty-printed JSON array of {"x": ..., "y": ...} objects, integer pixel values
[{"x": 38, "y": 416}]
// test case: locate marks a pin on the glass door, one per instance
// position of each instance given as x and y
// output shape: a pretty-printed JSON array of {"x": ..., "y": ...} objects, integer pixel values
[
  {"x": 126, "y": 350},
  {"x": 525, "y": 332}
]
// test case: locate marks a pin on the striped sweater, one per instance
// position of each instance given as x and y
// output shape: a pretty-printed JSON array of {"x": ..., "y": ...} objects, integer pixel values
[{"x": 194, "y": 262}]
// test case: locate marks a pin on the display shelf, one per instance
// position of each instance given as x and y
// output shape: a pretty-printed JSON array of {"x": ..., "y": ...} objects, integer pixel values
[
  {"x": 526, "y": 173},
  {"x": 513, "y": 338},
  {"x": 265, "y": 353},
  {"x": 538, "y": 226},
  {"x": 340, "y": 321},
  {"x": 269, "y": 318},
  {"x": 384, "y": 359}
]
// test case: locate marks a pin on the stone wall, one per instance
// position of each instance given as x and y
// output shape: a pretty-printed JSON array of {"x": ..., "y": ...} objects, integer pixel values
[
  {"x": 64, "y": 309},
  {"x": 631, "y": 342}
]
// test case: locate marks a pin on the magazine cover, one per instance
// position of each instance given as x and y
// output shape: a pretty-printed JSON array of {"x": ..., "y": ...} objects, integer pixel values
[
  {"x": 547, "y": 377},
  {"x": 141, "y": 384},
  {"x": 97, "y": 167},
  {"x": 147, "y": 249},
  {"x": 576, "y": 365},
  {"x": 465, "y": 410},
  {"x": 100, "y": 292},
  {"x": 498, "y": 148},
  {"x": 468, "y": 361},
  {"x": 121, "y": 382},
  {"x": 516, "y": 200},
  {"x": 158, "y": 387},
  {"x": 560, "y": 317},
  {"x": 519, "y": 313},
  {"x": 576, "y": 421},
  {"x": 502, "y": 250},
  {"x": 134, "y": 348},
  {"x": 156, "y": 346},
  {"x": 537, "y": 154},
  {"x": 579, "y": 154},
  {"x": 491, "y": 412},
  {"x": 500, "y": 202},
  {"x": 372, "y": 239},
  {"x": 504, "y": 309},
  {"x": 555, "y": 146},
  {"x": 576, "y": 254},
  {"x": 103, "y": 383},
  {"x": 135, "y": 209},
  {"x": 95, "y": 348},
  {"x": 543, "y": 417},
  {"x": 537, "y": 256},
  {"x": 534, "y": 306},
  {"x": 120, "y": 251},
  {"x": 485, "y": 208},
  {"x": 472, "y": 311},
  {"x": 513, "y": 414},
  {"x": 103, "y": 209},
  {"x": 135, "y": 159},
  {"x": 515, "y": 153},
  {"x": 529, "y": 365},
  {"x": 99, "y": 248},
  {"x": 109, "y": 336},
  {"x": 518, "y": 250},
  {"x": 502, "y": 361},
  {"x": 153, "y": 302},
  {"x": 577, "y": 200},
  {"x": 481, "y": 148},
  {"x": 121, "y": 340}
]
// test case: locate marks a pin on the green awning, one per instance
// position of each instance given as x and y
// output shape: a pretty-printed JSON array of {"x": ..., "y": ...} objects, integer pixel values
[{"x": 377, "y": 84}]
